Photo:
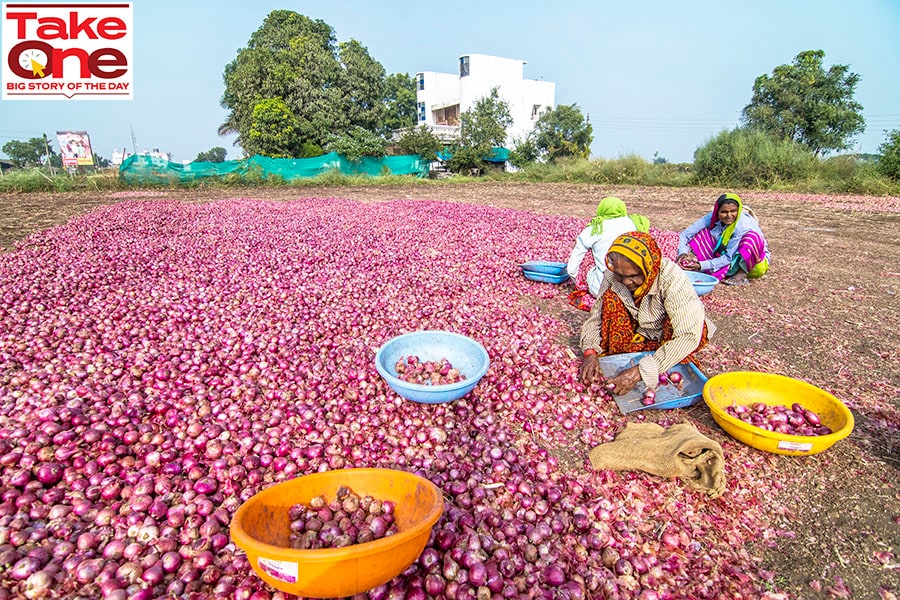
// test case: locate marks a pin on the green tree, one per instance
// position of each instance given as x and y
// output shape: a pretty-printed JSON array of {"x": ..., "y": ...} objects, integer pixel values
[
  {"x": 324, "y": 88},
  {"x": 421, "y": 141},
  {"x": 805, "y": 103},
  {"x": 482, "y": 128},
  {"x": 356, "y": 143},
  {"x": 215, "y": 154},
  {"x": 889, "y": 161},
  {"x": 273, "y": 130},
  {"x": 30, "y": 153},
  {"x": 563, "y": 132},
  {"x": 524, "y": 151},
  {"x": 363, "y": 87},
  {"x": 400, "y": 103}
]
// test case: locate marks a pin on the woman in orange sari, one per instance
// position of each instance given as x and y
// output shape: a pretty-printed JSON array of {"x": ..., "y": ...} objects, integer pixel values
[{"x": 646, "y": 303}]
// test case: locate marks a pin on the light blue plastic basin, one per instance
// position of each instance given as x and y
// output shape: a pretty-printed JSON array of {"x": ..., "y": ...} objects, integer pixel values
[{"x": 464, "y": 353}]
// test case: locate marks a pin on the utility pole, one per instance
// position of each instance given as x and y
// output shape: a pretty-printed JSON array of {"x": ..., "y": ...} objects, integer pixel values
[{"x": 49, "y": 163}]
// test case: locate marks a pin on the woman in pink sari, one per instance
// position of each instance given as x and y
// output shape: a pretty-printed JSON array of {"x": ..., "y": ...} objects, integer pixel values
[{"x": 726, "y": 243}]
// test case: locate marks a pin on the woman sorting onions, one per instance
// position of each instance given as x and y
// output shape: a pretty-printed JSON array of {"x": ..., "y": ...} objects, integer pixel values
[
  {"x": 611, "y": 221},
  {"x": 646, "y": 303},
  {"x": 726, "y": 243}
]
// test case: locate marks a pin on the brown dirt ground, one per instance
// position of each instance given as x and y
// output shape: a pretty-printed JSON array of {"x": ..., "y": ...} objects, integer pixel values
[{"x": 828, "y": 313}]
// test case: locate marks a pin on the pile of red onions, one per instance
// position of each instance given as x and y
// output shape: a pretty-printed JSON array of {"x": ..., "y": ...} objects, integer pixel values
[
  {"x": 162, "y": 362},
  {"x": 346, "y": 520},
  {"x": 797, "y": 420},
  {"x": 430, "y": 372}
]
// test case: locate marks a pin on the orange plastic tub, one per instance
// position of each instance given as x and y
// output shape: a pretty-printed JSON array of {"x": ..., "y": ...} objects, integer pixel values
[{"x": 261, "y": 528}]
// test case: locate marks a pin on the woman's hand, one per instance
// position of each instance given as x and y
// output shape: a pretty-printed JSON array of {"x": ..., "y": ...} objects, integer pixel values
[
  {"x": 688, "y": 262},
  {"x": 625, "y": 381},
  {"x": 589, "y": 370}
]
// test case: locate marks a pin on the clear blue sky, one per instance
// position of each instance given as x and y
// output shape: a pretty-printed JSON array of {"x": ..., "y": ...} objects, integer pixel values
[{"x": 653, "y": 75}]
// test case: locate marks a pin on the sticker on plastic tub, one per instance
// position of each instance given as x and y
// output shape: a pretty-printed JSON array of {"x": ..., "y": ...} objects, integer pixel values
[
  {"x": 281, "y": 570},
  {"x": 795, "y": 446}
]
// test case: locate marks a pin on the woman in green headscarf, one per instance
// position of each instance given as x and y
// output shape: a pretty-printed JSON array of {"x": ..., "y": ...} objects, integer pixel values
[
  {"x": 726, "y": 243},
  {"x": 612, "y": 220}
]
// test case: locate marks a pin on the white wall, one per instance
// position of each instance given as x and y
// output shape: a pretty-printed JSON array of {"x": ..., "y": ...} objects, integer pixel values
[
  {"x": 485, "y": 73},
  {"x": 441, "y": 89}
]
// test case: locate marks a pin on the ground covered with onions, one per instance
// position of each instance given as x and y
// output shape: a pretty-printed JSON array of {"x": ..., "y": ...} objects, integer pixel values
[{"x": 163, "y": 357}]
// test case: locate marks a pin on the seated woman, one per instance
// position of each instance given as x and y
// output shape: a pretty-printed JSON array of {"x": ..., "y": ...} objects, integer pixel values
[
  {"x": 646, "y": 304},
  {"x": 611, "y": 221},
  {"x": 726, "y": 243}
]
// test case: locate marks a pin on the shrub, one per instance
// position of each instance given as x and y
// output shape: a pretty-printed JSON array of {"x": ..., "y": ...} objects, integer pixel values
[
  {"x": 746, "y": 157},
  {"x": 421, "y": 141},
  {"x": 889, "y": 161}
]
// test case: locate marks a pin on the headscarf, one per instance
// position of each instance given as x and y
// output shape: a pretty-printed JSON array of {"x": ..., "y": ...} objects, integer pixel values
[
  {"x": 609, "y": 208},
  {"x": 641, "y": 249},
  {"x": 612, "y": 208},
  {"x": 641, "y": 223},
  {"x": 714, "y": 218}
]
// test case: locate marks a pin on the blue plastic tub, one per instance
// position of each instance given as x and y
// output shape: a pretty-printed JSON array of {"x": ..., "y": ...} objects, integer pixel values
[
  {"x": 544, "y": 266},
  {"x": 703, "y": 283},
  {"x": 464, "y": 353},
  {"x": 544, "y": 277},
  {"x": 687, "y": 393}
]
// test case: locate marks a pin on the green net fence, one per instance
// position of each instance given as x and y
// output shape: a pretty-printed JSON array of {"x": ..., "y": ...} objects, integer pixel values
[{"x": 139, "y": 168}]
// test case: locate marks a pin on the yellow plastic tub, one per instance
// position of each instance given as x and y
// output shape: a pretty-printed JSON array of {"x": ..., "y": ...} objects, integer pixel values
[
  {"x": 261, "y": 528},
  {"x": 748, "y": 387}
]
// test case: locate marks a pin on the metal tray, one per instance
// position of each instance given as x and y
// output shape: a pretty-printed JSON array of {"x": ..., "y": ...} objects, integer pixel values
[{"x": 667, "y": 396}]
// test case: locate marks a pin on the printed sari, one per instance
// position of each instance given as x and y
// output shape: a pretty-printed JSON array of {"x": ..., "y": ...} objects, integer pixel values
[{"x": 751, "y": 250}]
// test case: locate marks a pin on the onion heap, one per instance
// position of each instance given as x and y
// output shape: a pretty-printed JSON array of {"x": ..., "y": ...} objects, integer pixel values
[
  {"x": 346, "y": 520},
  {"x": 798, "y": 420},
  {"x": 162, "y": 362},
  {"x": 430, "y": 372}
]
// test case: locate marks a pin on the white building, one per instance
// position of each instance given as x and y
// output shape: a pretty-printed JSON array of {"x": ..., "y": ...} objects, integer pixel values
[{"x": 442, "y": 97}]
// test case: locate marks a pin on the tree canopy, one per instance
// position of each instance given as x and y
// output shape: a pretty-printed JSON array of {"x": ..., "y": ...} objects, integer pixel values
[
  {"x": 30, "y": 153},
  {"x": 400, "y": 102},
  {"x": 482, "y": 128},
  {"x": 805, "y": 103},
  {"x": 215, "y": 154},
  {"x": 563, "y": 131},
  {"x": 294, "y": 86}
]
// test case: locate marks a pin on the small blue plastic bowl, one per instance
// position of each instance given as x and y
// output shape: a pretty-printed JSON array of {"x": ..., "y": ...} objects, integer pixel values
[
  {"x": 464, "y": 354},
  {"x": 703, "y": 283}
]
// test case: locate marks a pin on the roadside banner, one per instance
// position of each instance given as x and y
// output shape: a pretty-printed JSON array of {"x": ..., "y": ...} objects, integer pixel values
[{"x": 75, "y": 148}]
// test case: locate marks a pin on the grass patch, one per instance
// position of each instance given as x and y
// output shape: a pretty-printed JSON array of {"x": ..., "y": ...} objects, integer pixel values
[{"x": 838, "y": 175}]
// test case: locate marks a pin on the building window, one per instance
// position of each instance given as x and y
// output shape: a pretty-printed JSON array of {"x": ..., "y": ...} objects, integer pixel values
[
  {"x": 421, "y": 106},
  {"x": 463, "y": 66},
  {"x": 421, "y": 81},
  {"x": 535, "y": 111}
]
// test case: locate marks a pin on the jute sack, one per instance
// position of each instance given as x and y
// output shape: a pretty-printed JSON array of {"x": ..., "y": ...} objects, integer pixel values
[{"x": 679, "y": 451}]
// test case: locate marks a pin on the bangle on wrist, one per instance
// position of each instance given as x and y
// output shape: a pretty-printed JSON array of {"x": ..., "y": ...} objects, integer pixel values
[{"x": 590, "y": 352}]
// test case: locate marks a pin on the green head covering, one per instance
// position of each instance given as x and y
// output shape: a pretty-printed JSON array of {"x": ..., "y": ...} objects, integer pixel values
[
  {"x": 641, "y": 223},
  {"x": 609, "y": 208},
  {"x": 729, "y": 231}
]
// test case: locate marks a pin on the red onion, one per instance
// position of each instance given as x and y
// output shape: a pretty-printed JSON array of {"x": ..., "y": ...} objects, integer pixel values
[{"x": 799, "y": 421}]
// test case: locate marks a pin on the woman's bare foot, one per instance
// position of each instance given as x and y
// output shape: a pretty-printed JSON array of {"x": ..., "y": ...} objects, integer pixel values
[{"x": 738, "y": 278}]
